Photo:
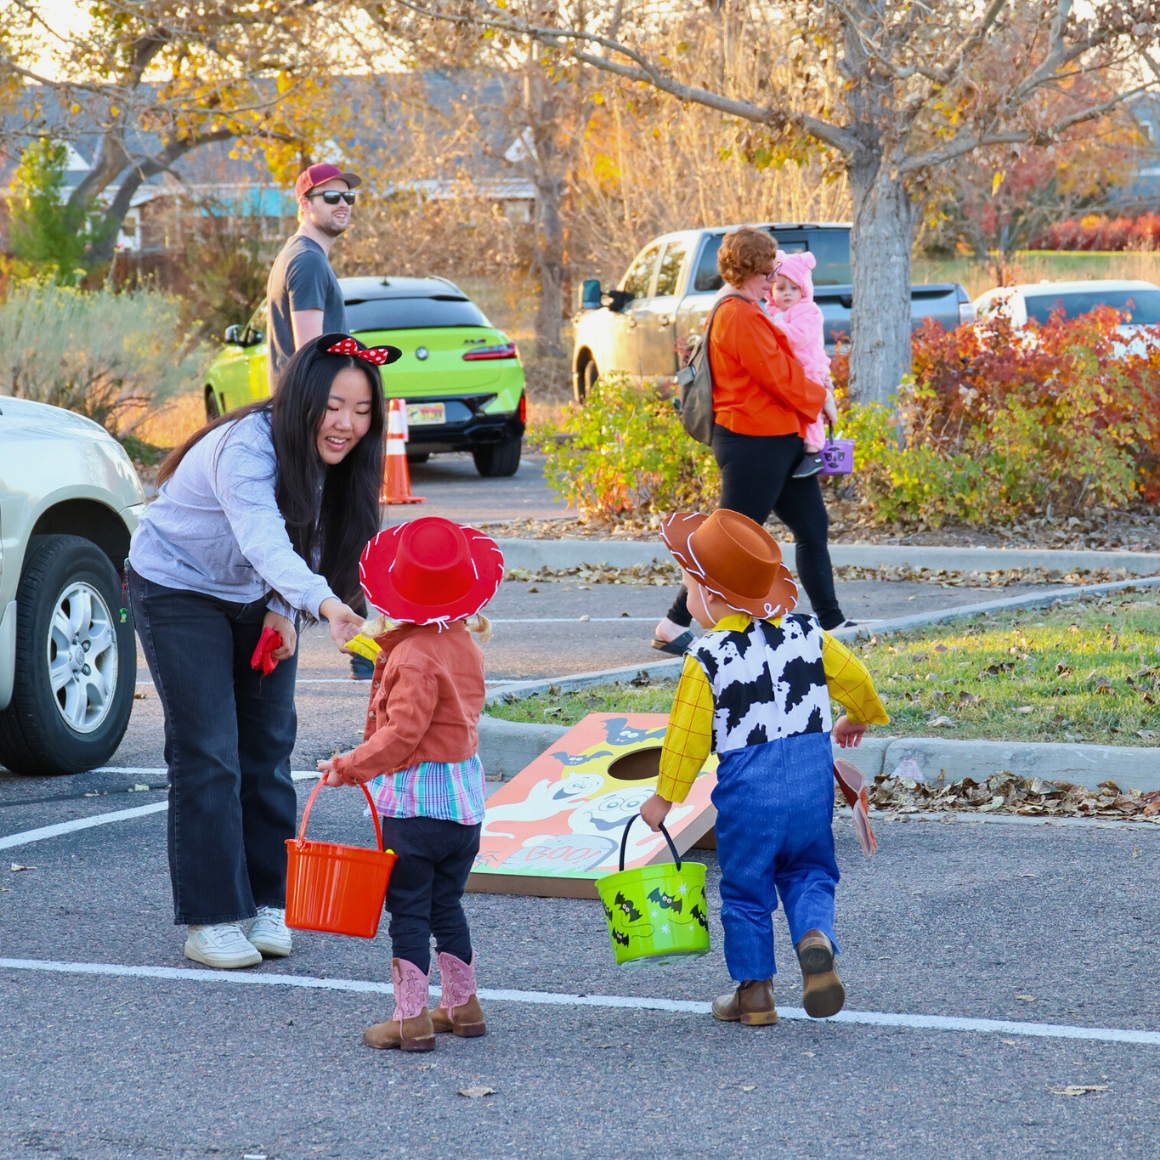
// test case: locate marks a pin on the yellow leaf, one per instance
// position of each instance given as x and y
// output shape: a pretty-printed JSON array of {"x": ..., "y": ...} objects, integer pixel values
[{"x": 996, "y": 183}]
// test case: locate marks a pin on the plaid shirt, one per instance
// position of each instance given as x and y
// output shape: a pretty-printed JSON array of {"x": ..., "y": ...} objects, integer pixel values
[{"x": 451, "y": 790}]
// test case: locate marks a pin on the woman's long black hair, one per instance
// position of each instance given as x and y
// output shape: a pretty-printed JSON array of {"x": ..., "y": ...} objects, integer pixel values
[{"x": 328, "y": 533}]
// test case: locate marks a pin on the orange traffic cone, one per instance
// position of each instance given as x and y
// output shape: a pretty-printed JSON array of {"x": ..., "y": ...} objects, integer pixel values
[{"x": 396, "y": 475}]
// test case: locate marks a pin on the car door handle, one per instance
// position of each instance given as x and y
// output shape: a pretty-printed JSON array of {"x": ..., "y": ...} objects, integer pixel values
[
  {"x": 631, "y": 324},
  {"x": 665, "y": 320}
]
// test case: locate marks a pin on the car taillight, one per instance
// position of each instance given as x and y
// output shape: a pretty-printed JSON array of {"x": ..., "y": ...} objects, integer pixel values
[
  {"x": 967, "y": 312},
  {"x": 507, "y": 350},
  {"x": 523, "y": 409}
]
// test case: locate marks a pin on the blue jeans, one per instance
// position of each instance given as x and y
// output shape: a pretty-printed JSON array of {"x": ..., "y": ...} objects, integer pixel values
[
  {"x": 229, "y": 732},
  {"x": 775, "y": 808}
]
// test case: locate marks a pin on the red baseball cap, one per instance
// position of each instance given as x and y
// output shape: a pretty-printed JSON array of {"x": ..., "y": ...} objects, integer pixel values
[{"x": 320, "y": 174}]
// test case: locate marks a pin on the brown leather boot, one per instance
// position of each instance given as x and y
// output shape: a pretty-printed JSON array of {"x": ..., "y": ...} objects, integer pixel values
[
  {"x": 410, "y": 1027},
  {"x": 824, "y": 994},
  {"x": 459, "y": 1008},
  {"x": 751, "y": 1003}
]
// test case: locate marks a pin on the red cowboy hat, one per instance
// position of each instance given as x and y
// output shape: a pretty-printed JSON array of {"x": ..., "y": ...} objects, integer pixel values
[
  {"x": 734, "y": 558},
  {"x": 430, "y": 570}
]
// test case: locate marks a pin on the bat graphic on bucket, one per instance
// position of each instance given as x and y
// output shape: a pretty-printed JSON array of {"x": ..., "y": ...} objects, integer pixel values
[{"x": 655, "y": 914}]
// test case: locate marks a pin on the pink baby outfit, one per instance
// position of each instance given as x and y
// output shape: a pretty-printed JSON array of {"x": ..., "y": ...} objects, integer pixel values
[{"x": 802, "y": 326}]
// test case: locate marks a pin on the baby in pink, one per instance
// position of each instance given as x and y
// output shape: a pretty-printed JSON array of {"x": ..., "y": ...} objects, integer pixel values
[{"x": 794, "y": 312}]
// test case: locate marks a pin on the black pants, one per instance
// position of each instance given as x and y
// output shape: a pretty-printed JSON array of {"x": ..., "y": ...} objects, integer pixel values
[
  {"x": 229, "y": 732},
  {"x": 757, "y": 478},
  {"x": 425, "y": 890}
]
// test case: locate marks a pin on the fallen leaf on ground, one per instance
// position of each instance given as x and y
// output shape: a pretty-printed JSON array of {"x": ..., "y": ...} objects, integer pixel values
[
  {"x": 942, "y": 723},
  {"x": 586, "y": 617},
  {"x": 1024, "y": 708},
  {"x": 749, "y": 1087},
  {"x": 16, "y": 867},
  {"x": 1010, "y": 1042},
  {"x": 1026, "y": 998},
  {"x": 1080, "y": 1089},
  {"x": 476, "y": 1091}
]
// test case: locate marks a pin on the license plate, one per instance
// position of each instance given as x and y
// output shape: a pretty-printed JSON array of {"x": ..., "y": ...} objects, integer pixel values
[{"x": 426, "y": 414}]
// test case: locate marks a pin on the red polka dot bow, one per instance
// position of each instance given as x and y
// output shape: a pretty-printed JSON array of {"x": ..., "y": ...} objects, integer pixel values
[{"x": 379, "y": 355}]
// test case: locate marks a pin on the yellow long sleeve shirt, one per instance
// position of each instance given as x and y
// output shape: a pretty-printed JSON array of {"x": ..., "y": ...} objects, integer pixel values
[{"x": 689, "y": 737}]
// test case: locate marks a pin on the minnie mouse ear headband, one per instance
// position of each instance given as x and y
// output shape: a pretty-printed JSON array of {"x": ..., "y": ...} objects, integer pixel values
[
  {"x": 734, "y": 558},
  {"x": 344, "y": 344},
  {"x": 430, "y": 571}
]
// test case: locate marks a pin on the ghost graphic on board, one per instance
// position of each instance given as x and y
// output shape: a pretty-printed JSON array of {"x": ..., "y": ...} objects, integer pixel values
[{"x": 545, "y": 799}]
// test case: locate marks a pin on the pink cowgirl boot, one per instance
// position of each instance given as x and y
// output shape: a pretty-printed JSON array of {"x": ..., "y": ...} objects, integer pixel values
[
  {"x": 459, "y": 1008},
  {"x": 410, "y": 1026}
]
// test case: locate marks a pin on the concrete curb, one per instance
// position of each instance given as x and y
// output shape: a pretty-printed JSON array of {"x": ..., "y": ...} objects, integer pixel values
[
  {"x": 506, "y": 747},
  {"x": 625, "y": 553}
]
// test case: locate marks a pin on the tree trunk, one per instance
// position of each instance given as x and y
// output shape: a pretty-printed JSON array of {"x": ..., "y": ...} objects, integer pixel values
[
  {"x": 880, "y": 245},
  {"x": 550, "y": 265}
]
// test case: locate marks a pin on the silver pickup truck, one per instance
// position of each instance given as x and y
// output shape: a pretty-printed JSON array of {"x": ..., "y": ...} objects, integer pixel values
[
  {"x": 69, "y": 501},
  {"x": 662, "y": 301}
]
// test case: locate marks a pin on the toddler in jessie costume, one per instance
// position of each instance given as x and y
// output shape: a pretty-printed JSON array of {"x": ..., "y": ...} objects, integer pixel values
[
  {"x": 419, "y": 758},
  {"x": 756, "y": 689}
]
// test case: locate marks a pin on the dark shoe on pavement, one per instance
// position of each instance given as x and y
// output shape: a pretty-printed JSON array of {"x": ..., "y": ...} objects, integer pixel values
[
  {"x": 810, "y": 465},
  {"x": 751, "y": 1003},
  {"x": 824, "y": 994},
  {"x": 676, "y": 647}
]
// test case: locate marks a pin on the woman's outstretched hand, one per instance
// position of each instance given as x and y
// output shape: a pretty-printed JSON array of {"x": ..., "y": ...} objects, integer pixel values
[
  {"x": 285, "y": 629},
  {"x": 344, "y": 623}
]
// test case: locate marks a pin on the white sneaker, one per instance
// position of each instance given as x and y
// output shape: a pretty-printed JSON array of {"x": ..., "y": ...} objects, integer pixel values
[
  {"x": 270, "y": 934},
  {"x": 222, "y": 946}
]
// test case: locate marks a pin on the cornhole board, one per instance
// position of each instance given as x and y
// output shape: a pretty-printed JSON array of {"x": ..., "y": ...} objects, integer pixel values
[{"x": 555, "y": 828}]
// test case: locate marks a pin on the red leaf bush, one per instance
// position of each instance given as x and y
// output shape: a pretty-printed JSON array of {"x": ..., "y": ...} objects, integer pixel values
[
  {"x": 998, "y": 422},
  {"x": 1101, "y": 233}
]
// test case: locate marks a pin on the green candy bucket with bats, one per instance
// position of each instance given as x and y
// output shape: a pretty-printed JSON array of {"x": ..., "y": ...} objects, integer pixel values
[{"x": 656, "y": 914}]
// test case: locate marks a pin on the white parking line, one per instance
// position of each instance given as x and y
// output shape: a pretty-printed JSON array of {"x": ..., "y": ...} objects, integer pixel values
[
  {"x": 38, "y": 835},
  {"x": 618, "y": 1002}
]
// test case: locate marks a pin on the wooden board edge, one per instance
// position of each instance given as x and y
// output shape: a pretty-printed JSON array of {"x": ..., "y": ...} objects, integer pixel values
[{"x": 532, "y": 886}]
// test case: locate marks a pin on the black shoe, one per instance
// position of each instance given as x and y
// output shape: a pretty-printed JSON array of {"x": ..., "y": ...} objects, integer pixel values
[
  {"x": 361, "y": 669},
  {"x": 676, "y": 647},
  {"x": 810, "y": 465}
]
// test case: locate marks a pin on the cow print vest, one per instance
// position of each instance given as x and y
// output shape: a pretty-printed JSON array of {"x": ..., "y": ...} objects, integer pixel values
[{"x": 768, "y": 681}]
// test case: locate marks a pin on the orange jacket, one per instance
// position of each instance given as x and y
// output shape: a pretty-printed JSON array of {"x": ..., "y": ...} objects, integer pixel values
[
  {"x": 426, "y": 697},
  {"x": 759, "y": 388}
]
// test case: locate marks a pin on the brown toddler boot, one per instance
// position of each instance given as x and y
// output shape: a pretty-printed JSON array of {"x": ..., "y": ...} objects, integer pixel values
[
  {"x": 410, "y": 1026},
  {"x": 824, "y": 993},
  {"x": 751, "y": 1003},
  {"x": 459, "y": 1008}
]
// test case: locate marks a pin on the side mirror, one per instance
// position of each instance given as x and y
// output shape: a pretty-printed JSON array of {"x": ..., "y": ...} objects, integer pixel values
[
  {"x": 590, "y": 294},
  {"x": 234, "y": 334}
]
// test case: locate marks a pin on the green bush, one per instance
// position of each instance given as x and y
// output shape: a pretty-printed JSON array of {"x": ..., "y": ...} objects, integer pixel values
[
  {"x": 115, "y": 358},
  {"x": 629, "y": 453}
]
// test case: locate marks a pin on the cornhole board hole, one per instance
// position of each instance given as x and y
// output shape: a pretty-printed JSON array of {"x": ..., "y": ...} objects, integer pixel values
[{"x": 555, "y": 828}]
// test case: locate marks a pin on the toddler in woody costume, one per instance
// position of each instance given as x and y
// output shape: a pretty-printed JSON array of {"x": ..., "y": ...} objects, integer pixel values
[
  {"x": 756, "y": 689},
  {"x": 419, "y": 755}
]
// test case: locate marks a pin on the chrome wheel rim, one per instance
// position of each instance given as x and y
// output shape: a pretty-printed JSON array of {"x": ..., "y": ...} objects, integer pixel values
[{"x": 82, "y": 657}]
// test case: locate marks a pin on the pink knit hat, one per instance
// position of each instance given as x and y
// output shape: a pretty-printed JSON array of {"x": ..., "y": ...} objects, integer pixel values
[{"x": 797, "y": 267}]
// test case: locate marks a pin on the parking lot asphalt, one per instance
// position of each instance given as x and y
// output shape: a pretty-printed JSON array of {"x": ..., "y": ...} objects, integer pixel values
[
  {"x": 452, "y": 488},
  {"x": 1033, "y": 924}
]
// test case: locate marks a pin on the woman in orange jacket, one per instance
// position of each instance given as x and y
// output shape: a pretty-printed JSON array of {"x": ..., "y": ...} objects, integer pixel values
[{"x": 763, "y": 402}]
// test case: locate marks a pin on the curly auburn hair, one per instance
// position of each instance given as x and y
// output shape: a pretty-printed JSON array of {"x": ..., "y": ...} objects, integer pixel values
[{"x": 745, "y": 252}]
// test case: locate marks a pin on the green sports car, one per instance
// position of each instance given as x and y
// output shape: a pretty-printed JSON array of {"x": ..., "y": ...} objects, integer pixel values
[{"x": 462, "y": 378}]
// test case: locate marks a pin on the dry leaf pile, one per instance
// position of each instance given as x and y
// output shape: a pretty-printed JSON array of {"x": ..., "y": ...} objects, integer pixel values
[
  {"x": 1008, "y": 793},
  {"x": 659, "y": 573}
]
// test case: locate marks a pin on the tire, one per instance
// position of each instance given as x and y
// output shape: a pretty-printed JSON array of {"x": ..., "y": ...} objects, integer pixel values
[
  {"x": 586, "y": 380},
  {"x": 68, "y": 586},
  {"x": 495, "y": 460},
  {"x": 212, "y": 410},
  {"x": 418, "y": 456}
]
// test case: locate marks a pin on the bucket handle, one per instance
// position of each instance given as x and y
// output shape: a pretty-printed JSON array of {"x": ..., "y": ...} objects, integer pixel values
[
  {"x": 624, "y": 841},
  {"x": 370, "y": 802}
]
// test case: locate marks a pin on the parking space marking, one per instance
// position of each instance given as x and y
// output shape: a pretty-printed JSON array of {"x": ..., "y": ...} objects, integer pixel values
[
  {"x": 617, "y": 1002},
  {"x": 38, "y": 835}
]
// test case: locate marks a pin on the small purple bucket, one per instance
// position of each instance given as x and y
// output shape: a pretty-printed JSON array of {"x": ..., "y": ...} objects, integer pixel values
[{"x": 837, "y": 455}]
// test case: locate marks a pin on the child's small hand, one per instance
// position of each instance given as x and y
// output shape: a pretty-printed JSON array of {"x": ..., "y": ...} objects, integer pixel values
[
  {"x": 847, "y": 734},
  {"x": 830, "y": 407},
  {"x": 330, "y": 775},
  {"x": 654, "y": 811}
]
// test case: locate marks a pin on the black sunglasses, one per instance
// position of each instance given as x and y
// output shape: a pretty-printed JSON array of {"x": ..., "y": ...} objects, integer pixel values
[{"x": 333, "y": 197}]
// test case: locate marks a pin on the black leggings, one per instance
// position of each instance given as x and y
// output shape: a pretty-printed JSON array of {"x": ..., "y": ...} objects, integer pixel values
[{"x": 757, "y": 478}]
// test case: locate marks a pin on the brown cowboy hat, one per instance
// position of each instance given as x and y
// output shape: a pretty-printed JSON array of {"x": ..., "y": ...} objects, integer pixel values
[{"x": 734, "y": 558}]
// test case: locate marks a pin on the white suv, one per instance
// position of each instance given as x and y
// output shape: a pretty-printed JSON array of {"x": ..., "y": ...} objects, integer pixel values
[{"x": 69, "y": 502}]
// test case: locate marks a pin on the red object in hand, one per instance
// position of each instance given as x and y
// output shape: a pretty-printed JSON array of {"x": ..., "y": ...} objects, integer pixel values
[{"x": 267, "y": 643}]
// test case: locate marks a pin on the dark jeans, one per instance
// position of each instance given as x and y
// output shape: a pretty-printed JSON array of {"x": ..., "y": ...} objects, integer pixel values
[
  {"x": 757, "y": 478},
  {"x": 228, "y": 736},
  {"x": 426, "y": 887}
]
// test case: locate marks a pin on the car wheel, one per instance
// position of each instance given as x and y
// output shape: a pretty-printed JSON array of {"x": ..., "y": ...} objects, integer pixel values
[
  {"x": 586, "y": 380},
  {"x": 212, "y": 410},
  {"x": 418, "y": 456},
  {"x": 76, "y": 662},
  {"x": 493, "y": 460}
]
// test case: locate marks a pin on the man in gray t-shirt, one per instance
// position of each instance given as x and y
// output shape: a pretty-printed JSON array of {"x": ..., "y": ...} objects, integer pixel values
[{"x": 304, "y": 297}]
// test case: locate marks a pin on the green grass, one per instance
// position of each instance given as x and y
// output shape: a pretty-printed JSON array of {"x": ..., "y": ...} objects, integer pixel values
[{"x": 1085, "y": 671}]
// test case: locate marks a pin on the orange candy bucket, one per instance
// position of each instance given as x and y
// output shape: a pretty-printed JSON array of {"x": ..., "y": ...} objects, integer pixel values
[{"x": 334, "y": 888}]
